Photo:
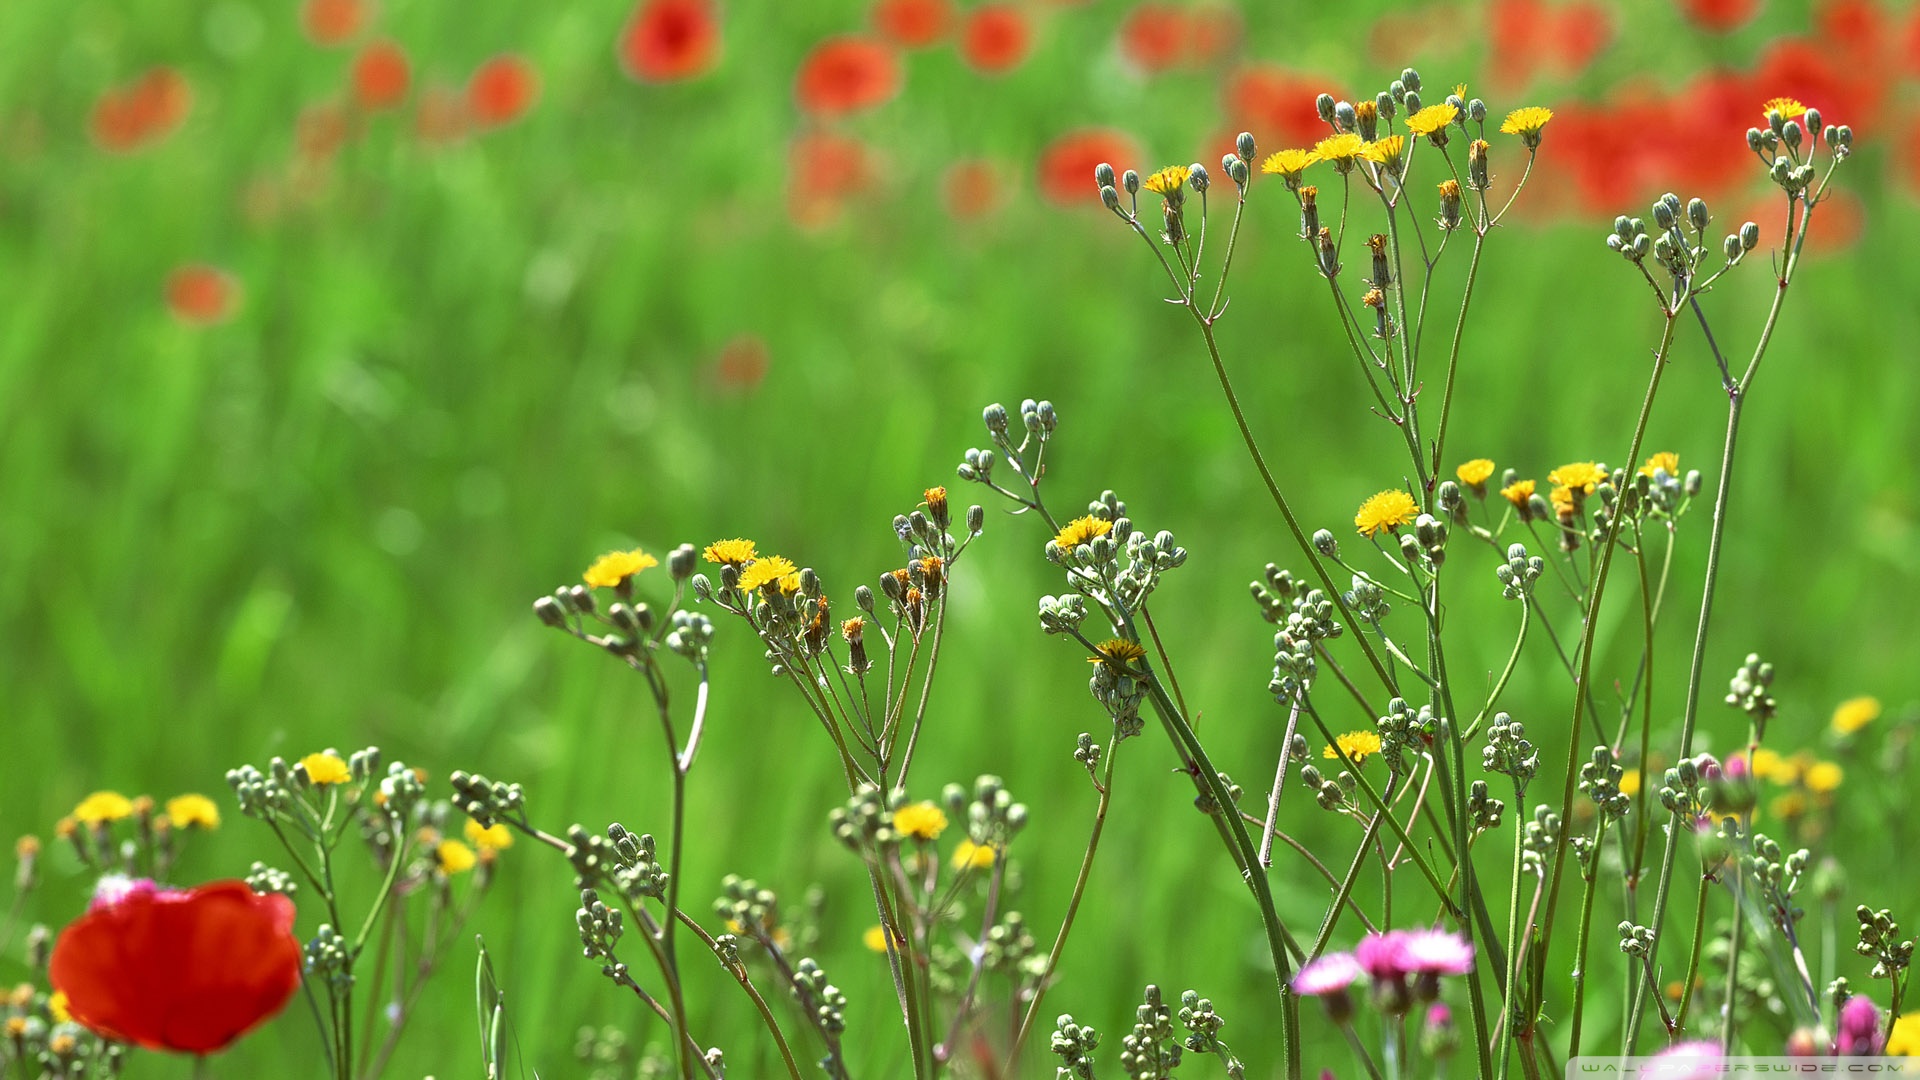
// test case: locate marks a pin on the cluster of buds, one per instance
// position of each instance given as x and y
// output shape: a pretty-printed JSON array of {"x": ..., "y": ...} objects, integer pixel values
[
  {"x": 1367, "y": 600},
  {"x": 1426, "y": 545},
  {"x": 1404, "y": 732},
  {"x": 487, "y": 801},
  {"x": 1880, "y": 940},
  {"x": 1333, "y": 795},
  {"x": 1239, "y": 165},
  {"x": 1779, "y": 145},
  {"x": 993, "y": 818},
  {"x": 1010, "y": 949},
  {"x": 1686, "y": 790},
  {"x": 1150, "y": 1050},
  {"x": 749, "y": 910},
  {"x": 1518, "y": 574},
  {"x": 824, "y": 1002},
  {"x": 1750, "y": 691},
  {"x": 600, "y": 928},
  {"x": 1600, "y": 780},
  {"x": 1509, "y": 753},
  {"x": 1202, "y": 1023},
  {"x": 1483, "y": 810},
  {"x": 1542, "y": 836},
  {"x": 1075, "y": 1044},
  {"x": 1778, "y": 876}
]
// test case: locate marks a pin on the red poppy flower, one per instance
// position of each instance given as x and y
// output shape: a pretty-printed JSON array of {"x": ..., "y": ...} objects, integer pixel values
[
  {"x": 1154, "y": 37},
  {"x": 332, "y": 22},
  {"x": 1519, "y": 32},
  {"x": 972, "y": 189},
  {"x": 189, "y": 970},
  {"x": 825, "y": 171},
  {"x": 1214, "y": 32},
  {"x": 742, "y": 363},
  {"x": 1067, "y": 164},
  {"x": 996, "y": 39},
  {"x": 502, "y": 90},
  {"x": 1815, "y": 74},
  {"x": 380, "y": 76},
  {"x": 1577, "y": 34},
  {"x": 1277, "y": 105},
  {"x": 668, "y": 40},
  {"x": 1857, "y": 25},
  {"x": 846, "y": 75},
  {"x": 201, "y": 295},
  {"x": 143, "y": 112},
  {"x": 1720, "y": 16},
  {"x": 912, "y": 24}
]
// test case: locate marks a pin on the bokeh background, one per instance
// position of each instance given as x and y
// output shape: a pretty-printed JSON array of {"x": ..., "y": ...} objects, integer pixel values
[{"x": 336, "y": 332}]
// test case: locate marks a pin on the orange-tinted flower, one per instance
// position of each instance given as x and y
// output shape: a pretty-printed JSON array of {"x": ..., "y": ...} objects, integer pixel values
[
  {"x": 825, "y": 170},
  {"x": 381, "y": 75},
  {"x": 742, "y": 363},
  {"x": 1277, "y": 105},
  {"x": 1857, "y": 28},
  {"x": 996, "y": 39},
  {"x": 1154, "y": 37},
  {"x": 913, "y": 24},
  {"x": 667, "y": 40},
  {"x": 200, "y": 295},
  {"x": 187, "y": 970},
  {"x": 972, "y": 189},
  {"x": 142, "y": 112},
  {"x": 846, "y": 75},
  {"x": 1067, "y": 164},
  {"x": 502, "y": 90},
  {"x": 1720, "y": 16},
  {"x": 1579, "y": 33},
  {"x": 1214, "y": 32},
  {"x": 333, "y": 22}
]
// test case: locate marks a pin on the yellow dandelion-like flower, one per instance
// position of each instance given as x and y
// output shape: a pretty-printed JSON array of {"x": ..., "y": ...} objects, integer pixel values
[
  {"x": 968, "y": 855},
  {"x": 57, "y": 1007},
  {"x": 1904, "y": 1040},
  {"x": 1385, "y": 151},
  {"x": 615, "y": 567},
  {"x": 734, "y": 552},
  {"x": 1630, "y": 782},
  {"x": 1460, "y": 90},
  {"x": 768, "y": 571},
  {"x": 326, "y": 767},
  {"x": 102, "y": 807},
  {"x": 1081, "y": 530},
  {"x": 1855, "y": 713},
  {"x": 1519, "y": 493},
  {"x": 454, "y": 857},
  {"x": 1767, "y": 764},
  {"x": 1357, "y": 744},
  {"x": 1788, "y": 108},
  {"x": 1580, "y": 476},
  {"x": 875, "y": 938},
  {"x": 1432, "y": 118},
  {"x": 193, "y": 812},
  {"x": 1563, "y": 501},
  {"x": 1387, "y": 510},
  {"x": 1168, "y": 181},
  {"x": 1527, "y": 123},
  {"x": 1474, "y": 474},
  {"x": 1288, "y": 164},
  {"x": 1340, "y": 149},
  {"x": 921, "y": 820},
  {"x": 495, "y": 837},
  {"x": 1824, "y": 777},
  {"x": 1665, "y": 461},
  {"x": 1789, "y": 806},
  {"x": 1117, "y": 652}
]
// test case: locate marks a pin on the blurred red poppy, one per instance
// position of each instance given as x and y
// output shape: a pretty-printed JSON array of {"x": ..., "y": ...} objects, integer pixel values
[
  {"x": 668, "y": 40},
  {"x": 333, "y": 22},
  {"x": 972, "y": 189},
  {"x": 1910, "y": 44},
  {"x": 381, "y": 75},
  {"x": 912, "y": 24},
  {"x": 1720, "y": 16},
  {"x": 1213, "y": 33},
  {"x": 143, "y": 112},
  {"x": 1277, "y": 105},
  {"x": 188, "y": 970},
  {"x": 1577, "y": 34},
  {"x": 825, "y": 171},
  {"x": 996, "y": 39},
  {"x": 1066, "y": 165},
  {"x": 1154, "y": 37},
  {"x": 502, "y": 90},
  {"x": 1519, "y": 34},
  {"x": 1859, "y": 26},
  {"x": 1837, "y": 224},
  {"x": 201, "y": 295},
  {"x": 742, "y": 363},
  {"x": 1823, "y": 78},
  {"x": 846, "y": 75}
]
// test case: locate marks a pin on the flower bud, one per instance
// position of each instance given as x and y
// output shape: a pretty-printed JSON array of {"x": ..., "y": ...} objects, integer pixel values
[
  {"x": 1197, "y": 176},
  {"x": 1410, "y": 79},
  {"x": 1109, "y": 198},
  {"x": 1754, "y": 142},
  {"x": 1663, "y": 216},
  {"x": 1749, "y": 236},
  {"x": 1243, "y": 145},
  {"x": 681, "y": 562},
  {"x": 1477, "y": 111},
  {"x": 1383, "y": 105},
  {"x": 1812, "y": 119},
  {"x": 1325, "y": 544},
  {"x": 1131, "y": 181},
  {"x": 1697, "y": 215},
  {"x": 1411, "y": 102},
  {"x": 547, "y": 609},
  {"x": 1730, "y": 247},
  {"x": 1239, "y": 172},
  {"x": 1103, "y": 175},
  {"x": 1791, "y": 134},
  {"x": 1345, "y": 116},
  {"x": 1324, "y": 106},
  {"x": 976, "y": 518}
]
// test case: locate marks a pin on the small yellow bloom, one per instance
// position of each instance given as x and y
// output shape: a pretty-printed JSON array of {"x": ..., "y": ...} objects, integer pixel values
[
  {"x": 1580, "y": 476},
  {"x": 971, "y": 856},
  {"x": 1519, "y": 493},
  {"x": 1117, "y": 652},
  {"x": 61, "y": 1045},
  {"x": 729, "y": 552},
  {"x": 1432, "y": 118},
  {"x": 1788, "y": 108},
  {"x": 1474, "y": 474},
  {"x": 1340, "y": 149},
  {"x": 1823, "y": 777},
  {"x": 1387, "y": 510},
  {"x": 1855, "y": 713},
  {"x": 193, "y": 811},
  {"x": 1385, "y": 151},
  {"x": 1081, "y": 530},
  {"x": 615, "y": 567},
  {"x": 1665, "y": 461},
  {"x": 1788, "y": 807},
  {"x": 454, "y": 857},
  {"x": 1904, "y": 1040},
  {"x": 325, "y": 768},
  {"x": 1767, "y": 764},
  {"x": 495, "y": 837},
  {"x": 771, "y": 570},
  {"x": 1630, "y": 782},
  {"x": 1357, "y": 744},
  {"x": 57, "y": 1007},
  {"x": 1288, "y": 164},
  {"x": 1527, "y": 123},
  {"x": 1168, "y": 181},
  {"x": 1460, "y": 91},
  {"x": 102, "y": 807},
  {"x": 921, "y": 820},
  {"x": 16, "y": 1027},
  {"x": 875, "y": 938}
]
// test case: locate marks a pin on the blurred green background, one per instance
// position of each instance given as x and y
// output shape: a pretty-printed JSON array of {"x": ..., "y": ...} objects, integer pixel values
[{"x": 457, "y": 371}]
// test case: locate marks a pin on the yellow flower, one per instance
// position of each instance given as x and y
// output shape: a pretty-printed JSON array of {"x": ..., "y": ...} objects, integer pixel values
[
  {"x": 1787, "y": 107},
  {"x": 1081, "y": 530},
  {"x": 1789, "y": 806},
  {"x": 1665, "y": 461},
  {"x": 193, "y": 811},
  {"x": 1386, "y": 510},
  {"x": 1460, "y": 90},
  {"x": 1385, "y": 151},
  {"x": 615, "y": 567},
  {"x": 1767, "y": 764},
  {"x": 495, "y": 837},
  {"x": 1630, "y": 782},
  {"x": 1117, "y": 652},
  {"x": 1474, "y": 474},
  {"x": 1519, "y": 493},
  {"x": 325, "y": 768},
  {"x": 1357, "y": 744},
  {"x": 771, "y": 570},
  {"x": 1340, "y": 149},
  {"x": 1562, "y": 499},
  {"x": 875, "y": 938},
  {"x": 729, "y": 552},
  {"x": 1855, "y": 713},
  {"x": 1168, "y": 181},
  {"x": 102, "y": 807},
  {"x": 1432, "y": 118},
  {"x": 1581, "y": 476},
  {"x": 1904, "y": 1040},
  {"x": 1288, "y": 164},
  {"x": 921, "y": 820},
  {"x": 971, "y": 856},
  {"x": 1527, "y": 123},
  {"x": 57, "y": 1007},
  {"x": 454, "y": 857},
  {"x": 1823, "y": 777}
]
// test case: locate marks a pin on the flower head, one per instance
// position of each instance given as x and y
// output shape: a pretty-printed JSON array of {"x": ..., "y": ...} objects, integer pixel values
[
  {"x": 771, "y": 570},
  {"x": 1581, "y": 476},
  {"x": 1387, "y": 510},
  {"x": 668, "y": 40},
  {"x": 1694, "y": 1060},
  {"x": 1340, "y": 149},
  {"x": 729, "y": 552},
  {"x": 615, "y": 567},
  {"x": 1385, "y": 151},
  {"x": 1563, "y": 501},
  {"x": 454, "y": 857},
  {"x": 1384, "y": 956},
  {"x": 968, "y": 855},
  {"x": 185, "y": 970},
  {"x": 326, "y": 767},
  {"x": 1327, "y": 974},
  {"x": 1519, "y": 493},
  {"x": 1080, "y": 531},
  {"x": 847, "y": 75},
  {"x": 996, "y": 38},
  {"x": 1433, "y": 118},
  {"x": 1665, "y": 461},
  {"x": 1527, "y": 123},
  {"x": 1823, "y": 777},
  {"x": 1288, "y": 164},
  {"x": 1437, "y": 952},
  {"x": 1474, "y": 474},
  {"x": 1117, "y": 652},
  {"x": 495, "y": 837},
  {"x": 921, "y": 820},
  {"x": 1357, "y": 744},
  {"x": 1904, "y": 1040},
  {"x": 1168, "y": 182},
  {"x": 102, "y": 807},
  {"x": 193, "y": 812},
  {"x": 1788, "y": 108},
  {"x": 875, "y": 938},
  {"x": 1854, "y": 714},
  {"x": 502, "y": 90},
  {"x": 1859, "y": 1028}
]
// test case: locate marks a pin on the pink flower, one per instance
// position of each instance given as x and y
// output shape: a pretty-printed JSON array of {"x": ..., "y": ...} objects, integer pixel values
[
  {"x": 114, "y": 888},
  {"x": 1437, "y": 952},
  {"x": 1696, "y": 1060},
  {"x": 1329, "y": 974},
  {"x": 1438, "y": 1016},
  {"x": 1384, "y": 956},
  {"x": 1859, "y": 1028}
]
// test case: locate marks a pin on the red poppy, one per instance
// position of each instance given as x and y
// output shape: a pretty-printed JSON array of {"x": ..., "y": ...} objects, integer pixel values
[
  {"x": 1720, "y": 16},
  {"x": 912, "y": 24},
  {"x": 1519, "y": 32},
  {"x": 1858, "y": 25},
  {"x": 189, "y": 970},
  {"x": 972, "y": 189},
  {"x": 742, "y": 363},
  {"x": 1154, "y": 37},
  {"x": 1705, "y": 134},
  {"x": 143, "y": 112},
  {"x": 1067, "y": 164},
  {"x": 332, "y": 22},
  {"x": 201, "y": 295},
  {"x": 1213, "y": 33},
  {"x": 668, "y": 40},
  {"x": 1277, "y": 105},
  {"x": 846, "y": 75},
  {"x": 826, "y": 170},
  {"x": 502, "y": 90},
  {"x": 380, "y": 76},
  {"x": 996, "y": 39},
  {"x": 1577, "y": 34},
  {"x": 1817, "y": 75}
]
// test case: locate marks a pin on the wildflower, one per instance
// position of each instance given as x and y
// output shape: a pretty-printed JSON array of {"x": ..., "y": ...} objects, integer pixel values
[
  {"x": 1698, "y": 1059},
  {"x": 772, "y": 570},
  {"x": 1266, "y": 98},
  {"x": 921, "y": 820},
  {"x": 912, "y": 24},
  {"x": 1387, "y": 510},
  {"x": 1630, "y": 782},
  {"x": 380, "y": 76},
  {"x": 501, "y": 90},
  {"x": 1437, "y": 952},
  {"x": 1432, "y": 121},
  {"x": 996, "y": 39},
  {"x": 968, "y": 855},
  {"x": 1788, "y": 108},
  {"x": 1288, "y": 164},
  {"x": 1855, "y": 713},
  {"x": 669, "y": 40},
  {"x": 847, "y": 75},
  {"x": 325, "y": 767},
  {"x": 186, "y": 970},
  {"x": 615, "y": 567},
  {"x": 1327, "y": 974},
  {"x": 1066, "y": 165},
  {"x": 1904, "y": 1040},
  {"x": 58, "y": 1007},
  {"x": 1720, "y": 16},
  {"x": 454, "y": 857},
  {"x": 200, "y": 295},
  {"x": 1080, "y": 531},
  {"x": 1153, "y": 37},
  {"x": 1520, "y": 494},
  {"x": 1117, "y": 653},
  {"x": 1564, "y": 504},
  {"x": 1581, "y": 476},
  {"x": 1665, "y": 461},
  {"x": 1384, "y": 956},
  {"x": 1859, "y": 1028},
  {"x": 1357, "y": 745},
  {"x": 1474, "y": 474},
  {"x": 1527, "y": 123},
  {"x": 1823, "y": 777},
  {"x": 494, "y": 837},
  {"x": 875, "y": 938},
  {"x": 193, "y": 812},
  {"x": 1169, "y": 183},
  {"x": 1340, "y": 149},
  {"x": 742, "y": 362},
  {"x": 729, "y": 552},
  {"x": 143, "y": 112},
  {"x": 103, "y": 807},
  {"x": 1386, "y": 151},
  {"x": 1791, "y": 806}
]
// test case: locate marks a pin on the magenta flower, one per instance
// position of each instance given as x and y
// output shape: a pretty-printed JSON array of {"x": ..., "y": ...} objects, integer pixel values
[
  {"x": 1438, "y": 1016},
  {"x": 1436, "y": 952},
  {"x": 1859, "y": 1028},
  {"x": 1384, "y": 956},
  {"x": 1695, "y": 1060},
  {"x": 1330, "y": 974}
]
